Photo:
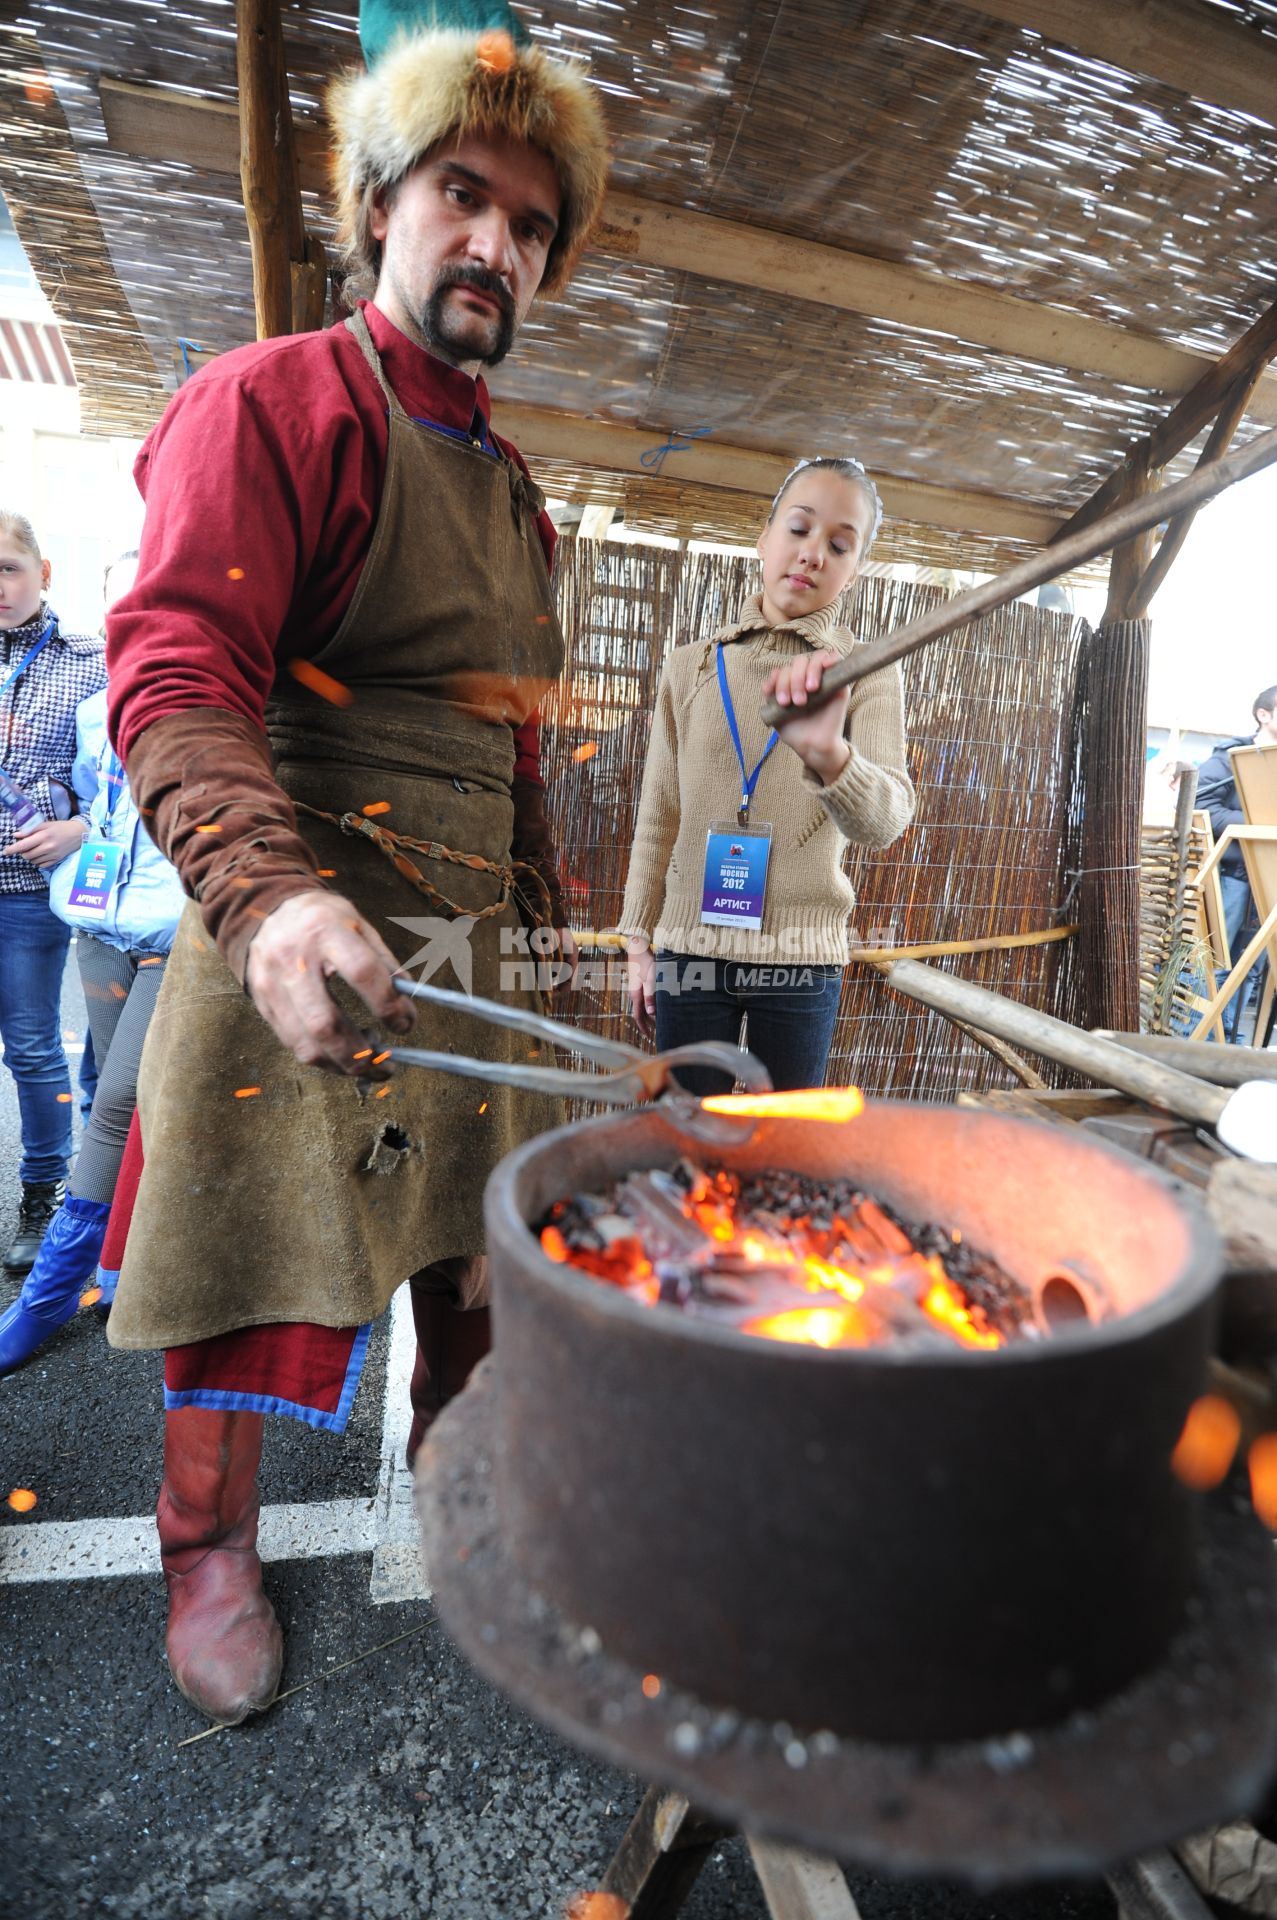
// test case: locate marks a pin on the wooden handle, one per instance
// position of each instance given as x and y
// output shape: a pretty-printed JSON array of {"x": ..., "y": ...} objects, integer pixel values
[
  {"x": 1225, "y": 1066},
  {"x": 1122, "y": 524},
  {"x": 1053, "y": 1039}
]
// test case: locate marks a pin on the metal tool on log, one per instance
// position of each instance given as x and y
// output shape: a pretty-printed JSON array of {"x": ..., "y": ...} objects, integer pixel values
[
  {"x": 1137, "y": 516},
  {"x": 1245, "y": 1118}
]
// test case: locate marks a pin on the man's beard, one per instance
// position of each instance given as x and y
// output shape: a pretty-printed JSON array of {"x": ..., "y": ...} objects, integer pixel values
[{"x": 451, "y": 334}]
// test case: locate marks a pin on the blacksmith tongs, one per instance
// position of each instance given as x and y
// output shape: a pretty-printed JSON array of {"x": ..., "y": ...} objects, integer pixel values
[{"x": 634, "y": 1077}]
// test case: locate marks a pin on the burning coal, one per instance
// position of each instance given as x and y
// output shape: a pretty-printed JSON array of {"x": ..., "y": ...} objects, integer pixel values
[{"x": 787, "y": 1257}]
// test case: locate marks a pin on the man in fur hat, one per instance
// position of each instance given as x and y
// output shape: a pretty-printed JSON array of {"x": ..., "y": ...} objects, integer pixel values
[{"x": 324, "y": 686}]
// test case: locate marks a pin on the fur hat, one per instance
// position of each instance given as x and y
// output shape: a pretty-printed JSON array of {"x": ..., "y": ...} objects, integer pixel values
[{"x": 429, "y": 77}]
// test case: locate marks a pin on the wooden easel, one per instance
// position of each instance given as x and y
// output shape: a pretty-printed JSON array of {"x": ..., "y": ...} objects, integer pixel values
[
  {"x": 1259, "y": 851},
  {"x": 668, "y": 1842}
]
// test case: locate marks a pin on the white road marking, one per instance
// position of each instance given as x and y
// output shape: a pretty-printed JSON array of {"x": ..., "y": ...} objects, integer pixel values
[
  {"x": 397, "y": 1569},
  {"x": 105, "y": 1549},
  {"x": 384, "y": 1525}
]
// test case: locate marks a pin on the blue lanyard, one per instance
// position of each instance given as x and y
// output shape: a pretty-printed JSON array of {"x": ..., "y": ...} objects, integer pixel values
[
  {"x": 748, "y": 781},
  {"x": 46, "y": 634},
  {"x": 116, "y": 784}
]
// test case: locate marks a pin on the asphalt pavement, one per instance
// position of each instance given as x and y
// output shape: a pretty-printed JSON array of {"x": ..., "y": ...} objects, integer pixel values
[{"x": 393, "y": 1783}]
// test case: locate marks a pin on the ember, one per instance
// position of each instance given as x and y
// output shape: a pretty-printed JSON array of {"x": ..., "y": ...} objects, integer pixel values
[{"x": 739, "y": 1249}]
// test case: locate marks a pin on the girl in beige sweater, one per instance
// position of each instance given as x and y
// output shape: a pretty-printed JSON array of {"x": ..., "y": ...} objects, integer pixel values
[{"x": 736, "y": 899}]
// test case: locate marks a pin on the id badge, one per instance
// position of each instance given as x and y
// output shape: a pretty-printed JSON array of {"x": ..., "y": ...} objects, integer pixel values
[
  {"x": 96, "y": 872},
  {"x": 735, "y": 874}
]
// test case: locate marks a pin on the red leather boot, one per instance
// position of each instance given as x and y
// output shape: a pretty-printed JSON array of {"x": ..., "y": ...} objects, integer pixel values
[{"x": 225, "y": 1649}]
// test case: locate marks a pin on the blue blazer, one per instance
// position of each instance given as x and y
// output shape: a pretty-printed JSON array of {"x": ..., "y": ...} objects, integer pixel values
[{"x": 145, "y": 904}]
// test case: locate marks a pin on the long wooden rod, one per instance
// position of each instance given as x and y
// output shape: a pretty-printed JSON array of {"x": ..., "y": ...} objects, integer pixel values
[
  {"x": 1202, "y": 402},
  {"x": 1204, "y": 1059},
  {"x": 1069, "y": 1046},
  {"x": 1115, "y": 527}
]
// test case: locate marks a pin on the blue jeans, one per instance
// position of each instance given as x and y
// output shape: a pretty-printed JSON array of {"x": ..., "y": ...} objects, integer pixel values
[
  {"x": 1241, "y": 924},
  {"x": 792, "y": 1007},
  {"x": 33, "y": 951}
]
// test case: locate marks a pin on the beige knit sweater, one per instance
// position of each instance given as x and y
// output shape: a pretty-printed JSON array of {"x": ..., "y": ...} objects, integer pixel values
[{"x": 692, "y": 777}]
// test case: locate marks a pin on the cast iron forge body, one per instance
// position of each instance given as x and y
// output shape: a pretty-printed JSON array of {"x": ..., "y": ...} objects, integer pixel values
[
  {"x": 932, "y": 1548},
  {"x": 929, "y": 1550}
]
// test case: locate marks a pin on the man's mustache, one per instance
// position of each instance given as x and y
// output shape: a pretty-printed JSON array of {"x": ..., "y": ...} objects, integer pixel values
[{"x": 483, "y": 279}]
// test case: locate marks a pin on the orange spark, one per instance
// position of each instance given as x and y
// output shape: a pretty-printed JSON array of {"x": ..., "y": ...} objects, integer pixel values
[
  {"x": 1204, "y": 1451},
  {"x": 365, "y": 1053},
  {"x": 90, "y": 1297},
  {"x": 484, "y": 1107},
  {"x": 208, "y": 829},
  {"x": 651, "y": 1686},
  {"x": 494, "y": 51},
  {"x": 64, "y": 1098},
  {"x": 328, "y": 873},
  {"x": 381, "y": 1093},
  {"x": 586, "y": 750},
  {"x": 374, "y": 807},
  {"x": 597, "y": 1906},
  {"x": 22, "y": 1499},
  {"x": 234, "y": 573},
  {"x": 246, "y": 1093},
  {"x": 320, "y": 682},
  {"x": 379, "y": 1058},
  {"x": 1262, "y": 1464}
]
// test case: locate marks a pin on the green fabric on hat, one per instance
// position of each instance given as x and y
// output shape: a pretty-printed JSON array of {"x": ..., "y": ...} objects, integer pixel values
[{"x": 383, "y": 21}]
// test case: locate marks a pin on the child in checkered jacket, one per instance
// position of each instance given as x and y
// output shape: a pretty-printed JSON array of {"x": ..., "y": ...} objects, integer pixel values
[{"x": 44, "y": 675}]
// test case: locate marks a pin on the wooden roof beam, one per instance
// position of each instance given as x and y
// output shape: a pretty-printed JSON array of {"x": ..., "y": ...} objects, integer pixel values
[
  {"x": 152, "y": 123},
  {"x": 1194, "y": 48},
  {"x": 754, "y": 257},
  {"x": 543, "y": 434}
]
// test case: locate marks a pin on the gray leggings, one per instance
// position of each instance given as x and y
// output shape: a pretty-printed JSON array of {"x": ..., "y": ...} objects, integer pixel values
[{"x": 119, "y": 990}]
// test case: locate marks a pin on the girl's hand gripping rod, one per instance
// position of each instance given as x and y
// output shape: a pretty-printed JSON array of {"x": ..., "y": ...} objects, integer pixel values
[{"x": 634, "y": 1078}]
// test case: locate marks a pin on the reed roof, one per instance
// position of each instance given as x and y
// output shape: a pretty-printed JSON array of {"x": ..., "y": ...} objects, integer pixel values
[{"x": 1069, "y": 240}]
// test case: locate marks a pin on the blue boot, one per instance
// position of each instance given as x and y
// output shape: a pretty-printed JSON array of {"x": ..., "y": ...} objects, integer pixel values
[{"x": 50, "y": 1294}]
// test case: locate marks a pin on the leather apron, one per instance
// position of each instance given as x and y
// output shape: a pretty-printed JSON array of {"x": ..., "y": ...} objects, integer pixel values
[{"x": 309, "y": 1199}]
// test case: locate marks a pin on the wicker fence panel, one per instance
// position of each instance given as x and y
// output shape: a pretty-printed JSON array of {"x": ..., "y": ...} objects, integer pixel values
[{"x": 1176, "y": 977}]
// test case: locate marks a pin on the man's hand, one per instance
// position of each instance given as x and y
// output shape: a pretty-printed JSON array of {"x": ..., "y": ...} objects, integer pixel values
[
  {"x": 51, "y": 841},
  {"x": 294, "y": 953},
  {"x": 641, "y": 966},
  {"x": 817, "y": 738}
]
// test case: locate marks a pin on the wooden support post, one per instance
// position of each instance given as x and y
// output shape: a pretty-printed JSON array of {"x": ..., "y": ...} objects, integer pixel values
[
  {"x": 658, "y": 1861},
  {"x": 1185, "y": 801},
  {"x": 289, "y": 267},
  {"x": 1226, "y": 425},
  {"x": 1200, "y": 405},
  {"x": 1130, "y": 561},
  {"x": 1156, "y": 1887},
  {"x": 801, "y": 1886}
]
